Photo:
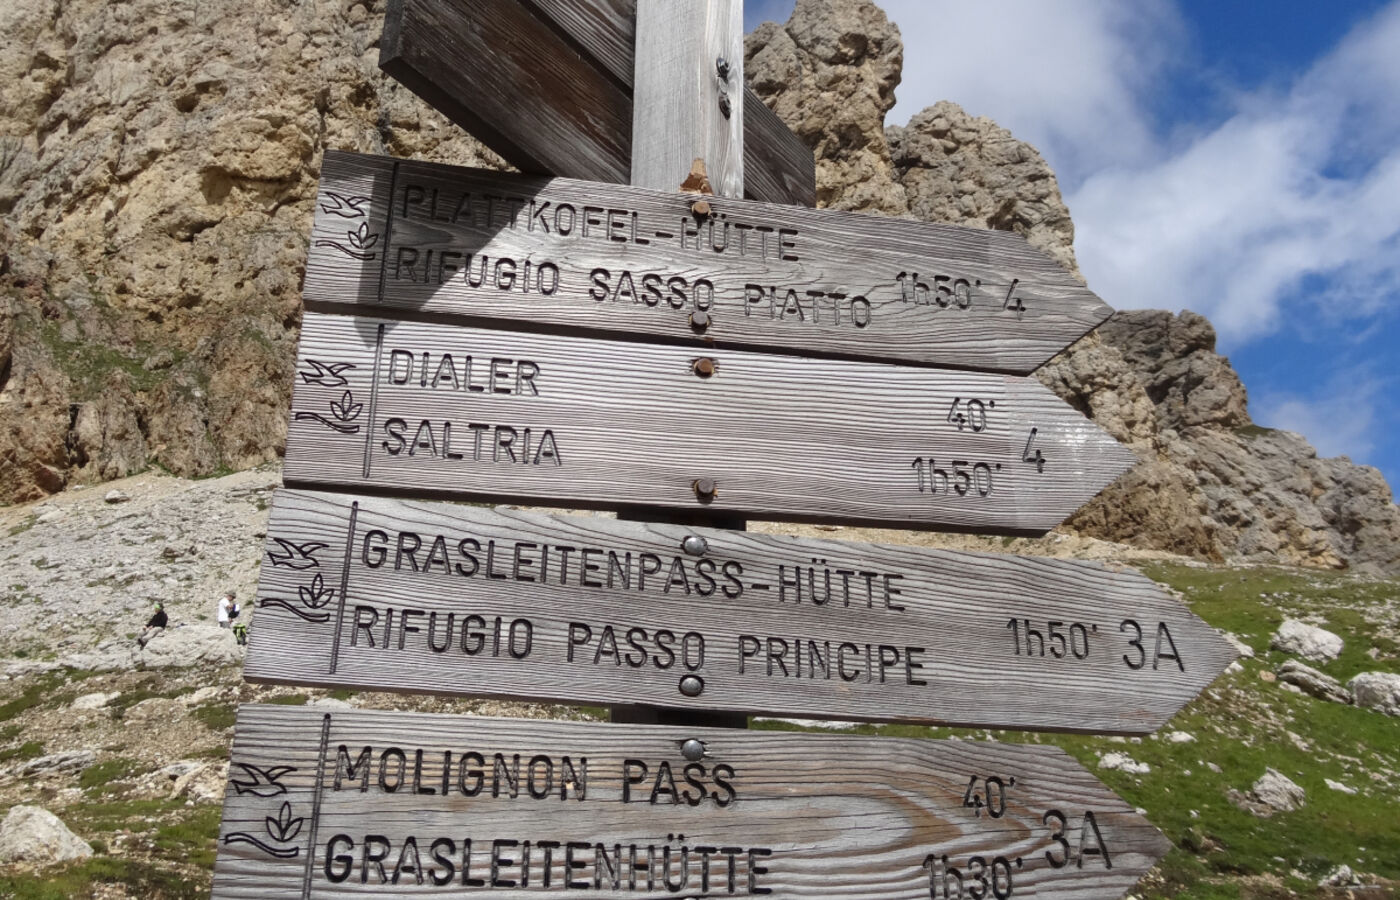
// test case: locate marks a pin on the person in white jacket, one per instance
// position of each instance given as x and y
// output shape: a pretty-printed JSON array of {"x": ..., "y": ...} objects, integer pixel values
[{"x": 228, "y": 609}]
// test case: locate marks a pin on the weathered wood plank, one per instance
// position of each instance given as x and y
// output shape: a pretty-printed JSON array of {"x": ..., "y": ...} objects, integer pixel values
[
  {"x": 793, "y": 816},
  {"x": 555, "y": 253},
  {"x": 548, "y": 84},
  {"x": 687, "y": 94},
  {"x": 595, "y": 610},
  {"x": 509, "y": 79},
  {"x": 426, "y": 409}
]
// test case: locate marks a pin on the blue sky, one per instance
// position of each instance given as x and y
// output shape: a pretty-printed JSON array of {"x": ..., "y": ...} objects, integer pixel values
[{"x": 1240, "y": 159}]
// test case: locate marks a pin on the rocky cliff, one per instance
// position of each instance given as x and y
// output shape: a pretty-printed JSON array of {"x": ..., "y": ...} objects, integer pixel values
[{"x": 157, "y": 167}]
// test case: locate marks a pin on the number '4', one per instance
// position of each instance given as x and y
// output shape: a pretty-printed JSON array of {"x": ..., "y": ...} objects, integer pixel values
[{"x": 1036, "y": 459}]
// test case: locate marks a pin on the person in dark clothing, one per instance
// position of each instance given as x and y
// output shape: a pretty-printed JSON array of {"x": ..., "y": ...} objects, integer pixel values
[{"x": 157, "y": 622}]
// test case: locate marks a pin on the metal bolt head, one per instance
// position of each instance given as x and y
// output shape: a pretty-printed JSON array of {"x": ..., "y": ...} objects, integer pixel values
[
  {"x": 705, "y": 367},
  {"x": 692, "y": 686},
  {"x": 700, "y": 208},
  {"x": 722, "y": 67},
  {"x": 704, "y": 489},
  {"x": 693, "y": 750},
  {"x": 695, "y": 545},
  {"x": 699, "y": 320}
]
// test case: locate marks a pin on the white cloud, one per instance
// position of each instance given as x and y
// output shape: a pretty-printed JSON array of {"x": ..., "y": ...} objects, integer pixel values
[
  {"x": 1339, "y": 419},
  {"x": 1065, "y": 76},
  {"x": 1292, "y": 189}
]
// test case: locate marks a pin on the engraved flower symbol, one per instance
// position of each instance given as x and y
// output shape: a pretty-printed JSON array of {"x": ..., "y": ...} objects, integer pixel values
[
  {"x": 284, "y": 828},
  {"x": 361, "y": 238},
  {"x": 346, "y": 410},
  {"x": 317, "y": 594}
]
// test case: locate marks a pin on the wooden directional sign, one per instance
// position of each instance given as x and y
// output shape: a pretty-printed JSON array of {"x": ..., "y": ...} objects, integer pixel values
[
  {"x": 547, "y": 84},
  {"x": 402, "y": 805},
  {"x": 429, "y": 409},
  {"x": 439, "y": 598},
  {"x": 550, "y": 253}
]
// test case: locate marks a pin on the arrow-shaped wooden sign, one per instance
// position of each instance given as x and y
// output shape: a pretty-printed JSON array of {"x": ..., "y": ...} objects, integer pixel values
[
  {"x": 437, "y": 410},
  {"x": 442, "y": 598},
  {"x": 408, "y": 238},
  {"x": 548, "y": 84},
  {"x": 398, "y": 804}
]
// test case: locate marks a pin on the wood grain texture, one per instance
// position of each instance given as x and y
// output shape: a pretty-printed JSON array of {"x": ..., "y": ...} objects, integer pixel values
[
  {"x": 785, "y": 624},
  {"x": 488, "y": 247},
  {"x": 778, "y": 166},
  {"x": 838, "y": 816},
  {"x": 622, "y": 424},
  {"x": 684, "y": 107},
  {"x": 548, "y": 85}
]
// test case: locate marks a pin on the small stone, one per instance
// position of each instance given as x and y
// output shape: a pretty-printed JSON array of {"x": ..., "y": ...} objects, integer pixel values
[
  {"x": 95, "y": 701},
  {"x": 33, "y": 834},
  {"x": 1341, "y": 876},
  {"x": 116, "y": 496},
  {"x": 1377, "y": 690},
  {"x": 1308, "y": 641},
  {"x": 1122, "y": 762},
  {"x": 1338, "y": 786},
  {"x": 1240, "y": 646},
  {"x": 1311, "y": 681},
  {"x": 66, "y": 761},
  {"x": 1180, "y": 737},
  {"x": 1278, "y": 791},
  {"x": 330, "y": 703},
  {"x": 1265, "y": 675}
]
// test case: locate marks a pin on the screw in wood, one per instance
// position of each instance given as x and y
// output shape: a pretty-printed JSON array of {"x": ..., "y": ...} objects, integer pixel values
[
  {"x": 695, "y": 545},
  {"x": 699, "y": 321},
  {"x": 692, "y": 749},
  {"x": 704, "y": 489},
  {"x": 722, "y": 67},
  {"x": 693, "y": 686},
  {"x": 705, "y": 367}
]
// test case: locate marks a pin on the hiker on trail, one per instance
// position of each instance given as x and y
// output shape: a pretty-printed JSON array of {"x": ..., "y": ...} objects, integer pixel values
[
  {"x": 228, "y": 610},
  {"x": 157, "y": 623},
  {"x": 240, "y": 632}
]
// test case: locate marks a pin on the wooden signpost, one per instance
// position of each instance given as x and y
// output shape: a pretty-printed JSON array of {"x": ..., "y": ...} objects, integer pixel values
[
  {"x": 548, "y": 85},
  {"x": 400, "y": 805},
  {"x": 406, "y": 238},
  {"x": 420, "y": 408},
  {"x": 685, "y": 359},
  {"x": 438, "y": 598}
]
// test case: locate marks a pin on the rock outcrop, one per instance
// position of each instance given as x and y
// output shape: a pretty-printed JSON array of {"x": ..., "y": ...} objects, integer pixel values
[
  {"x": 32, "y": 834},
  {"x": 157, "y": 167}
]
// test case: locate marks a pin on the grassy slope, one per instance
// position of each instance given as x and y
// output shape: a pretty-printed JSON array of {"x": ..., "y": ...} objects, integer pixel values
[{"x": 1242, "y": 724}]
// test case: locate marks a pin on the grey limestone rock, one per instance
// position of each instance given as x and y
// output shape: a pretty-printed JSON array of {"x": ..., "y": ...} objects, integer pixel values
[
  {"x": 1312, "y": 682},
  {"x": 33, "y": 834},
  {"x": 1377, "y": 690},
  {"x": 1308, "y": 641}
]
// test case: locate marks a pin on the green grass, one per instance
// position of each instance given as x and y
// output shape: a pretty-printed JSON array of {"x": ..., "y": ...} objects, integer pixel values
[
  {"x": 151, "y": 881},
  {"x": 43, "y": 690},
  {"x": 288, "y": 700},
  {"x": 100, "y": 777},
  {"x": 215, "y": 716},
  {"x": 27, "y": 750}
]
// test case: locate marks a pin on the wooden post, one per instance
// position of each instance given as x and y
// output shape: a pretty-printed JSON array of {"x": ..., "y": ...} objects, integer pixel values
[
  {"x": 688, "y": 108},
  {"x": 688, "y": 94}
]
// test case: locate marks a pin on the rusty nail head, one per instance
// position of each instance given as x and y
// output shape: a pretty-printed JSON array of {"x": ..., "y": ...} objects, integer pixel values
[
  {"x": 722, "y": 67},
  {"x": 705, "y": 367},
  {"x": 692, "y": 686},
  {"x": 699, "y": 320},
  {"x": 695, "y": 545},
  {"x": 693, "y": 750},
  {"x": 700, "y": 207},
  {"x": 705, "y": 488}
]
